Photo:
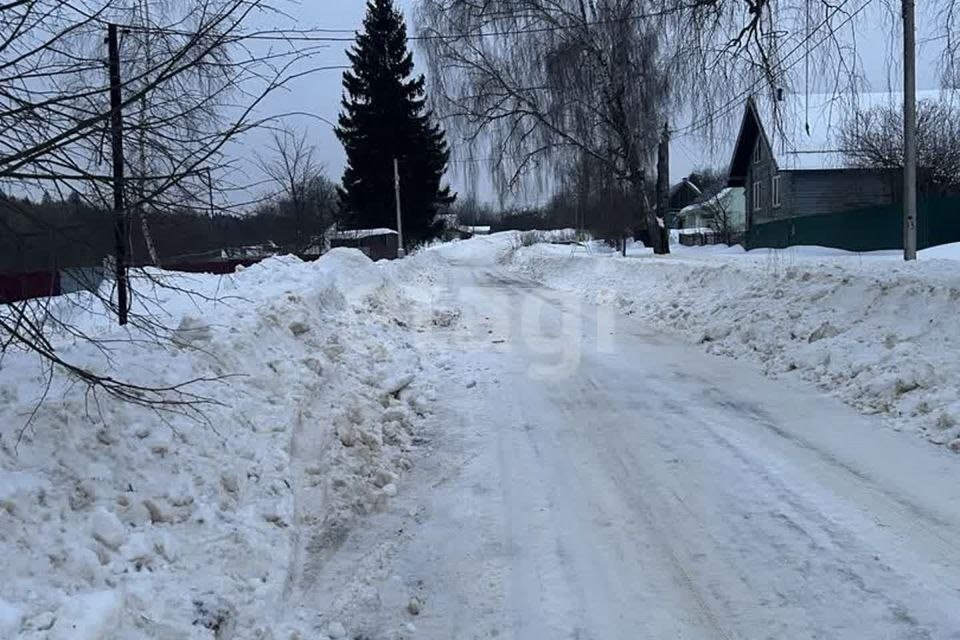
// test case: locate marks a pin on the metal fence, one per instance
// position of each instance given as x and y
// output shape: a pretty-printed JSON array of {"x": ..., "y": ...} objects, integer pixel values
[{"x": 868, "y": 229}]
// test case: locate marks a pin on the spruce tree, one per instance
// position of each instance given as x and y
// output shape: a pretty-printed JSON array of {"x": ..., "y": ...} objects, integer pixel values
[{"x": 385, "y": 116}]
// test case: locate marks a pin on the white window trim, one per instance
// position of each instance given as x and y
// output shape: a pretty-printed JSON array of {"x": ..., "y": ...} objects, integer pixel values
[
  {"x": 758, "y": 151},
  {"x": 775, "y": 199},
  {"x": 757, "y": 195}
]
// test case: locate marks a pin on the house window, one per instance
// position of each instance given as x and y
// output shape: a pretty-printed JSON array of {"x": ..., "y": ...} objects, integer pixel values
[
  {"x": 775, "y": 191},
  {"x": 758, "y": 151},
  {"x": 757, "y": 195}
]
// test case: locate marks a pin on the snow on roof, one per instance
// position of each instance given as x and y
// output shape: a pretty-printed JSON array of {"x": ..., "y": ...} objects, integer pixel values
[
  {"x": 804, "y": 130},
  {"x": 475, "y": 229},
  {"x": 682, "y": 183},
  {"x": 732, "y": 199},
  {"x": 358, "y": 234}
]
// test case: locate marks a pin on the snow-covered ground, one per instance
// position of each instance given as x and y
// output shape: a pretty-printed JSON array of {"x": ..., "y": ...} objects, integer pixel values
[
  {"x": 880, "y": 333},
  {"x": 120, "y": 522},
  {"x": 442, "y": 448},
  {"x": 595, "y": 477}
]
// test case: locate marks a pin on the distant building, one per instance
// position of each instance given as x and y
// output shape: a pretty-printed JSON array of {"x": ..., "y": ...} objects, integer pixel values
[
  {"x": 721, "y": 218},
  {"x": 789, "y": 158},
  {"x": 469, "y": 231},
  {"x": 377, "y": 244},
  {"x": 250, "y": 252},
  {"x": 801, "y": 187},
  {"x": 682, "y": 194}
]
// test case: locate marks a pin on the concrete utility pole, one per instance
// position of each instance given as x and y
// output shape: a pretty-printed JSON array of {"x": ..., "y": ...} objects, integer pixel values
[
  {"x": 396, "y": 195},
  {"x": 119, "y": 207},
  {"x": 909, "y": 131}
]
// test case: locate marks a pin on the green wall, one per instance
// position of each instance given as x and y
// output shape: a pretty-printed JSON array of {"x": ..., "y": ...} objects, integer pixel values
[{"x": 862, "y": 229}]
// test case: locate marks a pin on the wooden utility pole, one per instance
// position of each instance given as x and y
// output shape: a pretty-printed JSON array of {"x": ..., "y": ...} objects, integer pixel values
[
  {"x": 210, "y": 191},
  {"x": 119, "y": 207},
  {"x": 909, "y": 131},
  {"x": 396, "y": 196}
]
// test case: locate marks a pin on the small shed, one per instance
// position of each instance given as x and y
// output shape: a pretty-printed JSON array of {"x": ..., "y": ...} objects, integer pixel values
[{"x": 377, "y": 244}]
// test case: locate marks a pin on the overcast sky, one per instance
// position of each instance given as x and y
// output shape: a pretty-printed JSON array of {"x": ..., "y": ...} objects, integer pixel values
[{"x": 320, "y": 93}]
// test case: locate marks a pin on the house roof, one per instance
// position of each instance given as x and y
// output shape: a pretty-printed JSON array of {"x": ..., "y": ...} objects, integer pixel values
[
  {"x": 733, "y": 199},
  {"x": 685, "y": 183},
  {"x": 804, "y": 130}
]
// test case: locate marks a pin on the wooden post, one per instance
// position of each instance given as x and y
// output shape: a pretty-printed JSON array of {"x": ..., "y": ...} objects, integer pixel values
[{"x": 119, "y": 207}]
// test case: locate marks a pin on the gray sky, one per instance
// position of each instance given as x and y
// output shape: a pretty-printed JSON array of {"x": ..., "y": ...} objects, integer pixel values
[{"x": 876, "y": 38}]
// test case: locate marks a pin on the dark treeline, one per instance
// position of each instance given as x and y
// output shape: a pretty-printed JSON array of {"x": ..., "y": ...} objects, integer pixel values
[
  {"x": 57, "y": 234},
  {"x": 603, "y": 215}
]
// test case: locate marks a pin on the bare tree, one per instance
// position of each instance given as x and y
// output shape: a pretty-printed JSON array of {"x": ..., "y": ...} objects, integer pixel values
[
  {"x": 872, "y": 138},
  {"x": 194, "y": 91},
  {"x": 304, "y": 193},
  {"x": 720, "y": 220}
]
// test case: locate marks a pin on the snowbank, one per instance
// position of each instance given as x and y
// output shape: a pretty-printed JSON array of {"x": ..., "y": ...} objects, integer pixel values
[
  {"x": 881, "y": 334},
  {"x": 120, "y": 522},
  {"x": 479, "y": 249}
]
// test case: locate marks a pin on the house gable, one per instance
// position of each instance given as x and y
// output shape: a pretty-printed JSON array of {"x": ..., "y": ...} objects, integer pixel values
[
  {"x": 751, "y": 133},
  {"x": 682, "y": 194}
]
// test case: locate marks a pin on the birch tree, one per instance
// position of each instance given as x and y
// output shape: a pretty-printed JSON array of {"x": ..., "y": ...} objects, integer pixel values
[{"x": 192, "y": 80}]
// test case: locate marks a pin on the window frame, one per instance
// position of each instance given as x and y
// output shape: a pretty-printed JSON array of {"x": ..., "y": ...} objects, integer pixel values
[
  {"x": 776, "y": 200},
  {"x": 758, "y": 151},
  {"x": 758, "y": 195}
]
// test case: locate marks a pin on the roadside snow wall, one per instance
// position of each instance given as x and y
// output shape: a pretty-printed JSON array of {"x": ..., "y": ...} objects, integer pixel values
[
  {"x": 119, "y": 522},
  {"x": 881, "y": 334}
]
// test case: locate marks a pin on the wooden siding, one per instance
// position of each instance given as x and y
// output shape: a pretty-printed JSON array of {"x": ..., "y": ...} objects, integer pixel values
[
  {"x": 816, "y": 192},
  {"x": 764, "y": 170},
  {"x": 834, "y": 191}
]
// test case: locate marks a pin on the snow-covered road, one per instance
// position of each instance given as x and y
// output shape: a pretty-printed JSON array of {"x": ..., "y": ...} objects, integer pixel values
[
  {"x": 598, "y": 481},
  {"x": 443, "y": 448}
]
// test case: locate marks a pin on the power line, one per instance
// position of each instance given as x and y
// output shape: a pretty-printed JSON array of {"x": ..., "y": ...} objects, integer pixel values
[
  {"x": 736, "y": 100},
  {"x": 307, "y": 35}
]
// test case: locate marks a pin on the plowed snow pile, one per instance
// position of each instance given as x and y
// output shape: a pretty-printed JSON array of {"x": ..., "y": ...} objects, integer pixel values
[
  {"x": 881, "y": 334},
  {"x": 120, "y": 522}
]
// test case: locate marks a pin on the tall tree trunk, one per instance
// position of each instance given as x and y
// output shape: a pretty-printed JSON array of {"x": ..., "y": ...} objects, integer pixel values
[{"x": 661, "y": 244}]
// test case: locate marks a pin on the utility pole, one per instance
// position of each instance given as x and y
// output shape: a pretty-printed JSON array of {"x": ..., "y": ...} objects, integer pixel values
[
  {"x": 116, "y": 131},
  {"x": 210, "y": 191},
  {"x": 396, "y": 195},
  {"x": 909, "y": 131}
]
